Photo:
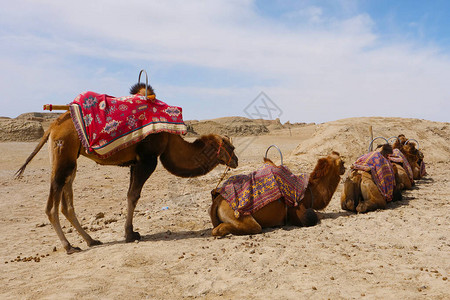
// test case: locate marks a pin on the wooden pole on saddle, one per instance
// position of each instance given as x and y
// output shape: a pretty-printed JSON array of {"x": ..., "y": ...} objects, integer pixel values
[{"x": 51, "y": 107}]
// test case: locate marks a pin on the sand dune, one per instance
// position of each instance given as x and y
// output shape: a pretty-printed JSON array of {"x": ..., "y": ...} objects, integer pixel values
[{"x": 402, "y": 252}]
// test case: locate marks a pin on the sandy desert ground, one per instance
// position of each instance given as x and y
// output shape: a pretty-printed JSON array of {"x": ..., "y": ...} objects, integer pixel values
[{"x": 402, "y": 252}]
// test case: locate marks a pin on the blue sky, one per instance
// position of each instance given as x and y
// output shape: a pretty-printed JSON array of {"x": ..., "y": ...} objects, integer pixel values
[{"x": 316, "y": 60}]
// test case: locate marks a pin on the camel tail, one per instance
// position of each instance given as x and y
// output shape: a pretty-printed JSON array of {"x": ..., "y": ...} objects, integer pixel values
[{"x": 42, "y": 142}]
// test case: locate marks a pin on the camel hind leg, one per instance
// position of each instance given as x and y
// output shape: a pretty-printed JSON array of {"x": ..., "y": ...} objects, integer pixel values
[
  {"x": 68, "y": 210},
  {"x": 63, "y": 148},
  {"x": 372, "y": 198},
  {"x": 230, "y": 224}
]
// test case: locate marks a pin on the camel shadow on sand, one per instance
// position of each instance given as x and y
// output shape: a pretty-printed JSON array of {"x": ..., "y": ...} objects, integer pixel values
[
  {"x": 206, "y": 233},
  {"x": 165, "y": 236}
]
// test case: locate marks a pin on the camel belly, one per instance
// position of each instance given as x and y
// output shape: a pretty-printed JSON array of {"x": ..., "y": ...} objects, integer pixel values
[
  {"x": 271, "y": 215},
  {"x": 124, "y": 157}
]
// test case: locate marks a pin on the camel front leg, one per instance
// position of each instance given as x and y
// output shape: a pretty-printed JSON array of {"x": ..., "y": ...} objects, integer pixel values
[
  {"x": 139, "y": 174},
  {"x": 243, "y": 225}
]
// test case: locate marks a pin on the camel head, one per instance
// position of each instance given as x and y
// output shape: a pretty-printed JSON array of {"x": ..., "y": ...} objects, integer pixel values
[
  {"x": 333, "y": 164},
  {"x": 400, "y": 141},
  {"x": 385, "y": 150},
  {"x": 225, "y": 150},
  {"x": 139, "y": 88},
  {"x": 411, "y": 152},
  {"x": 413, "y": 155},
  {"x": 338, "y": 162}
]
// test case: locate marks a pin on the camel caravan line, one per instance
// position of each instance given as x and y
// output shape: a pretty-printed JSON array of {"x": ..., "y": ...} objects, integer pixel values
[
  {"x": 135, "y": 130},
  {"x": 378, "y": 177}
]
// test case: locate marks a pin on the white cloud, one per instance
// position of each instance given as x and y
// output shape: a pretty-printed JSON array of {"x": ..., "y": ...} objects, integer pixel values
[{"x": 323, "y": 69}]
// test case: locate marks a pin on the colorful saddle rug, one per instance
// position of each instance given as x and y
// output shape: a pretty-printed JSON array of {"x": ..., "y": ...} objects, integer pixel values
[
  {"x": 381, "y": 170},
  {"x": 398, "y": 157},
  {"x": 248, "y": 193},
  {"x": 106, "y": 124}
]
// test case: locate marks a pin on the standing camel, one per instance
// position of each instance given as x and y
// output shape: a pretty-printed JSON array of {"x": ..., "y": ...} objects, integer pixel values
[
  {"x": 179, "y": 157},
  {"x": 321, "y": 186}
]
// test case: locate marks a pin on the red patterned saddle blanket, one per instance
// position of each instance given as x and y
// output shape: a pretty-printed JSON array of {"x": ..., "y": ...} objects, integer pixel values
[
  {"x": 398, "y": 157},
  {"x": 248, "y": 193},
  {"x": 381, "y": 170},
  {"x": 107, "y": 124}
]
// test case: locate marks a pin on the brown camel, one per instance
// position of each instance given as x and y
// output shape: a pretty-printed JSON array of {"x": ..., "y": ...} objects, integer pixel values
[
  {"x": 412, "y": 154},
  {"x": 402, "y": 177},
  {"x": 179, "y": 157},
  {"x": 401, "y": 164},
  {"x": 361, "y": 194},
  {"x": 322, "y": 184}
]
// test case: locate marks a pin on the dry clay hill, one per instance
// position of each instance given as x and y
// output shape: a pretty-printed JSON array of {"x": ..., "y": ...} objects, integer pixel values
[
  {"x": 351, "y": 138},
  {"x": 31, "y": 126}
]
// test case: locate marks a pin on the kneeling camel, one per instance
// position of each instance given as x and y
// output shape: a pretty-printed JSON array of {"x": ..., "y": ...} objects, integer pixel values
[
  {"x": 361, "y": 193},
  {"x": 321, "y": 186}
]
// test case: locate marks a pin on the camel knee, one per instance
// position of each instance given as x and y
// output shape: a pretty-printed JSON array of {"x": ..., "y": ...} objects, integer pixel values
[
  {"x": 133, "y": 197},
  {"x": 347, "y": 203},
  {"x": 67, "y": 210},
  {"x": 226, "y": 228},
  {"x": 221, "y": 230},
  {"x": 366, "y": 206},
  {"x": 51, "y": 214}
]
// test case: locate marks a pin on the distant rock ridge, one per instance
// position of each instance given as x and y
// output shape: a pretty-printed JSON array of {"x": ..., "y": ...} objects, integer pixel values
[
  {"x": 16, "y": 130},
  {"x": 13, "y": 130}
]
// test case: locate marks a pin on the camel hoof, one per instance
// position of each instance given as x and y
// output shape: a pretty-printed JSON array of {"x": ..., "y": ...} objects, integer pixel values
[
  {"x": 72, "y": 250},
  {"x": 134, "y": 236},
  {"x": 95, "y": 243}
]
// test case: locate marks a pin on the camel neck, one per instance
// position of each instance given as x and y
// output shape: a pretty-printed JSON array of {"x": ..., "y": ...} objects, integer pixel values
[
  {"x": 323, "y": 189},
  {"x": 186, "y": 159}
]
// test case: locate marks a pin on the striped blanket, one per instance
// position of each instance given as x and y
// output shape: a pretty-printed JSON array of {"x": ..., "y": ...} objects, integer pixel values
[
  {"x": 381, "y": 170},
  {"x": 249, "y": 193},
  {"x": 106, "y": 124},
  {"x": 398, "y": 157}
]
